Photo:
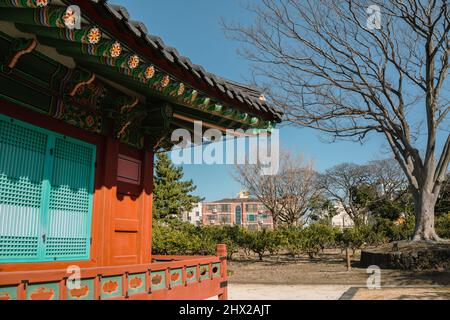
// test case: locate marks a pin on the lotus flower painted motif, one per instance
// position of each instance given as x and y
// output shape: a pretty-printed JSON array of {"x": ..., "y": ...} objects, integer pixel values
[
  {"x": 80, "y": 293},
  {"x": 157, "y": 279},
  {"x": 42, "y": 293},
  {"x": 110, "y": 287}
]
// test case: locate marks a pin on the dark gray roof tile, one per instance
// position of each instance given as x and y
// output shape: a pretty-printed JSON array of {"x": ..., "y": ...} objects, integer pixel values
[
  {"x": 208, "y": 80},
  {"x": 221, "y": 87},
  {"x": 255, "y": 105},
  {"x": 168, "y": 55},
  {"x": 243, "y": 93},
  {"x": 141, "y": 26},
  {"x": 157, "y": 40},
  {"x": 133, "y": 28},
  {"x": 113, "y": 11},
  {"x": 151, "y": 42},
  {"x": 121, "y": 10}
]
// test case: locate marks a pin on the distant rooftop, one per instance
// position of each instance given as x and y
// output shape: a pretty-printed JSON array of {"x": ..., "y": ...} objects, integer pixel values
[{"x": 235, "y": 200}]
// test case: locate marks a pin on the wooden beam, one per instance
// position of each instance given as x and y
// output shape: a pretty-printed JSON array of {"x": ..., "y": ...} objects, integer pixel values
[
  {"x": 124, "y": 78},
  {"x": 19, "y": 48},
  {"x": 48, "y": 16},
  {"x": 86, "y": 35},
  {"x": 23, "y": 3},
  {"x": 208, "y": 125}
]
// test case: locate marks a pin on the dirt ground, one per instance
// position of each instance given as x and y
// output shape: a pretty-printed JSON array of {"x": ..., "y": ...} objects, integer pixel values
[{"x": 329, "y": 268}]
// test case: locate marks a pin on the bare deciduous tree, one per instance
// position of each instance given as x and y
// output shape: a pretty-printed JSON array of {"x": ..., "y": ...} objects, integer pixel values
[
  {"x": 389, "y": 177},
  {"x": 266, "y": 188},
  {"x": 298, "y": 188},
  {"x": 322, "y": 209},
  {"x": 340, "y": 182},
  {"x": 328, "y": 70},
  {"x": 286, "y": 195}
]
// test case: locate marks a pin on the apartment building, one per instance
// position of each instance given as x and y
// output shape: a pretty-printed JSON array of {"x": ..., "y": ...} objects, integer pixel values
[
  {"x": 195, "y": 215},
  {"x": 242, "y": 211}
]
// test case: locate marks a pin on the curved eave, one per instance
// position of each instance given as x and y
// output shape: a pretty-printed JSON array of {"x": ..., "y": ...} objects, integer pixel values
[{"x": 115, "y": 22}]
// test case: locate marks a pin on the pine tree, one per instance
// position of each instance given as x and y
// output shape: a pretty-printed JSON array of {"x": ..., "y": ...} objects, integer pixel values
[{"x": 171, "y": 195}]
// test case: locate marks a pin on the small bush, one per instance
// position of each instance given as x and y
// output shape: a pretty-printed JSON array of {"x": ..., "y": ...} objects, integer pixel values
[
  {"x": 358, "y": 237},
  {"x": 443, "y": 226},
  {"x": 262, "y": 242},
  {"x": 393, "y": 231},
  {"x": 293, "y": 240},
  {"x": 316, "y": 238},
  {"x": 278, "y": 241},
  {"x": 228, "y": 235},
  {"x": 181, "y": 239},
  {"x": 177, "y": 238}
]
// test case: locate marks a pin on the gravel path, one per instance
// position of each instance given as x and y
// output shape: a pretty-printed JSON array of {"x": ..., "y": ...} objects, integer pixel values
[{"x": 285, "y": 292}]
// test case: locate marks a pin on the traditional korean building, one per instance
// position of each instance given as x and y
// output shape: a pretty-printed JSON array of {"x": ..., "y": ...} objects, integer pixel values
[{"x": 85, "y": 102}]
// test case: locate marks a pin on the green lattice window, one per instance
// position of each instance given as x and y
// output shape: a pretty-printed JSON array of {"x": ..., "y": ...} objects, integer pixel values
[{"x": 46, "y": 187}]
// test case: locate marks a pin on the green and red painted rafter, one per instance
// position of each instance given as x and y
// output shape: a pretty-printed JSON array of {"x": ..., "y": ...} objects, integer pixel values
[
  {"x": 88, "y": 44},
  {"x": 24, "y": 3}
]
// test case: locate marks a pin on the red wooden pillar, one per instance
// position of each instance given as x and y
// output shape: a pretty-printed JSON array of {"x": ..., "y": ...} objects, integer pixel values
[
  {"x": 221, "y": 251},
  {"x": 109, "y": 191},
  {"x": 147, "y": 215}
]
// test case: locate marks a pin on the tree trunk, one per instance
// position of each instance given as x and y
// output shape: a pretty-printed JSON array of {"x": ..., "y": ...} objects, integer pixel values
[
  {"x": 274, "y": 220},
  {"x": 424, "y": 203}
]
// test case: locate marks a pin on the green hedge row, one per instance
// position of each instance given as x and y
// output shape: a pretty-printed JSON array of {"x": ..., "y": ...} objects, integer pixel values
[{"x": 185, "y": 239}]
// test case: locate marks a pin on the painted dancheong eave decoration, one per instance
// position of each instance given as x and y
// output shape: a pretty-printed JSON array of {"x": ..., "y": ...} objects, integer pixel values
[{"x": 98, "y": 53}]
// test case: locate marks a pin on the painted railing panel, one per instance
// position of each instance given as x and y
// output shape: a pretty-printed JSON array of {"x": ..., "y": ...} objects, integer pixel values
[{"x": 171, "y": 278}]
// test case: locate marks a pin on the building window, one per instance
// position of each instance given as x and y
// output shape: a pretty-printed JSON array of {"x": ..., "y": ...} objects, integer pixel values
[
  {"x": 197, "y": 213},
  {"x": 225, "y": 208},
  {"x": 189, "y": 218},
  {"x": 251, "y": 208},
  {"x": 45, "y": 194},
  {"x": 225, "y": 218},
  {"x": 251, "y": 218}
]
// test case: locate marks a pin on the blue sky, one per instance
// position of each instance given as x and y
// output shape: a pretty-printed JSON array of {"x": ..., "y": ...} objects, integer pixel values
[{"x": 193, "y": 28}]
